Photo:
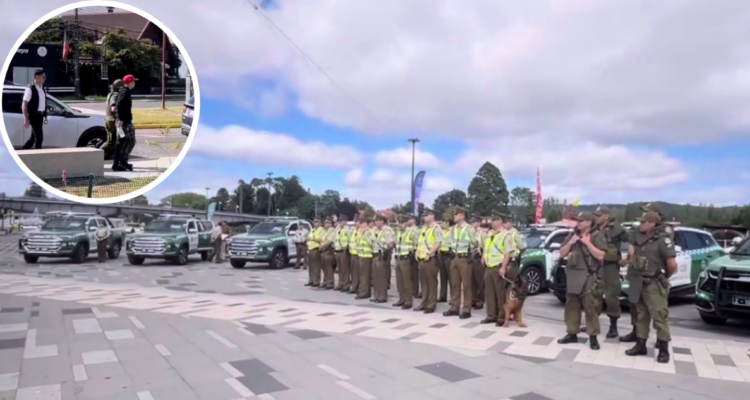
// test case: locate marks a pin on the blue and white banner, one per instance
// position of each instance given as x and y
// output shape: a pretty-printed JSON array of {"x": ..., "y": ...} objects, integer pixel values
[
  {"x": 417, "y": 191},
  {"x": 211, "y": 209}
]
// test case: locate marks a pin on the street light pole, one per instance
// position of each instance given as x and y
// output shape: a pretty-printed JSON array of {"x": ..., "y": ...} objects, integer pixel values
[
  {"x": 77, "y": 39},
  {"x": 413, "y": 151},
  {"x": 270, "y": 174}
]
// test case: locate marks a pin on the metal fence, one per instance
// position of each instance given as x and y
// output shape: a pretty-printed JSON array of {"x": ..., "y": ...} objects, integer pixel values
[{"x": 102, "y": 187}]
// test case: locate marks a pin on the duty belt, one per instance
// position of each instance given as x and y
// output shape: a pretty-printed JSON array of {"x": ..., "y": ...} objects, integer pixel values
[
  {"x": 340, "y": 251},
  {"x": 403, "y": 257},
  {"x": 462, "y": 255}
]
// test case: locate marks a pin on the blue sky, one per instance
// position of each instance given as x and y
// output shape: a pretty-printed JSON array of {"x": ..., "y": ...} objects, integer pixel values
[{"x": 561, "y": 88}]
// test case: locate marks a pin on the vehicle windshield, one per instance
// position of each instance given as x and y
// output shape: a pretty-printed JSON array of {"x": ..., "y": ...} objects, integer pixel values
[
  {"x": 269, "y": 227},
  {"x": 534, "y": 239},
  {"x": 166, "y": 226},
  {"x": 742, "y": 249},
  {"x": 65, "y": 223},
  {"x": 62, "y": 105}
]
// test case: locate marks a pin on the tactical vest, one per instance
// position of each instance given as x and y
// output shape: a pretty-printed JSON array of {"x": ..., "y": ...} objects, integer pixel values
[
  {"x": 364, "y": 250},
  {"x": 447, "y": 243},
  {"x": 380, "y": 240},
  {"x": 494, "y": 249},
  {"x": 461, "y": 239},
  {"x": 33, "y": 106},
  {"x": 354, "y": 242},
  {"x": 312, "y": 241},
  {"x": 519, "y": 241},
  {"x": 341, "y": 240},
  {"x": 425, "y": 243},
  {"x": 640, "y": 264}
]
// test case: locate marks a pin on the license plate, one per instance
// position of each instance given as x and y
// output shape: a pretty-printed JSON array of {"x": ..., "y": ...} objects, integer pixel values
[
  {"x": 242, "y": 253},
  {"x": 741, "y": 301}
]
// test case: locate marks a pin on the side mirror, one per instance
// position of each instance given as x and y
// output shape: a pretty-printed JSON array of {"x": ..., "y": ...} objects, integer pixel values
[
  {"x": 554, "y": 246},
  {"x": 678, "y": 248},
  {"x": 192, "y": 230},
  {"x": 92, "y": 228}
]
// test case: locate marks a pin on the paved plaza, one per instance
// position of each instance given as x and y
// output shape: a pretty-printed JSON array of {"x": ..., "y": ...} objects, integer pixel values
[{"x": 211, "y": 332}]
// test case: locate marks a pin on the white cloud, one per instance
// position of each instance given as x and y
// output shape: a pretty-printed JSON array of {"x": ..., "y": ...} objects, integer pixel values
[
  {"x": 402, "y": 158},
  {"x": 256, "y": 147},
  {"x": 384, "y": 188},
  {"x": 354, "y": 178}
]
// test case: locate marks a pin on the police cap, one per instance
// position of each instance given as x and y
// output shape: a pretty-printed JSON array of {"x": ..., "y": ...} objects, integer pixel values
[
  {"x": 403, "y": 218},
  {"x": 651, "y": 207},
  {"x": 650, "y": 216},
  {"x": 585, "y": 216},
  {"x": 381, "y": 217},
  {"x": 459, "y": 210},
  {"x": 602, "y": 211},
  {"x": 429, "y": 211}
]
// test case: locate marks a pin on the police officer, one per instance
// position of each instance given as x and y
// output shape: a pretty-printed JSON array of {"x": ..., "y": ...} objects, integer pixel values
[
  {"x": 384, "y": 243},
  {"x": 462, "y": 239},
  {"x": 413, "y": 237},
  {"x": 341, "y": 247},
  {"x": 404, "y": 257},
  {"x": 327, "y": 254},
  {"x": 477, "y": 283},
  {"x": 314, "y": 241},
  {"x": 365, "y": 254},
  {"x": 353, "y": 252},
  {"x": 615, "y": 235},
  {"x": 444, "y": 259},
  {"x": 498, "y": 251},
  {"x": 428, "y": 246},
  {"x": 585, "y": 249},
  {"x": 664, "y": 224},
  {"x": 652, "y": 263}
]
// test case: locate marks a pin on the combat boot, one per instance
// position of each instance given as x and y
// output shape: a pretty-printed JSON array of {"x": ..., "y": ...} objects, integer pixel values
[
  {"x": 593, "y": 343},
  {"x": 629, "y": 338},
  {"x": 612, "y": 333},
  {"x": 569, "y": 338},
  {"x": 663, "y": 356},
  {"x": 639, "y": 349}
]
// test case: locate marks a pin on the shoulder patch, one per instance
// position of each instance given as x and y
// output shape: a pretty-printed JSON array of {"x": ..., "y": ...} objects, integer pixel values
[
  {"x": 667, "y": 241},
  {"x": 668, "y": 229}
]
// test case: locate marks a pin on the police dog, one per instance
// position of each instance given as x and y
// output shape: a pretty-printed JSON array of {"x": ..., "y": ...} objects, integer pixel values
[{"x": 514, "y": 299}]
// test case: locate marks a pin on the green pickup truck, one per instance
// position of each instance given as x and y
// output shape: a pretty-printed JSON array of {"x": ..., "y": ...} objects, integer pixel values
[
  {"x": 271, "y": 242},
  {"x": 723, "y": 288},
  {"x": 695, "y": 250},
  {"x": 171, "y": 238},
  {"x": 71, "y": 236}
]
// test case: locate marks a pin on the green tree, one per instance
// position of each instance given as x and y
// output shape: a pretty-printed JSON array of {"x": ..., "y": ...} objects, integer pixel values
[
  {"x": 222, "y": 200},
  {"x": 141, "y": 201},
  {"x": 195, "y": 201},
  {"x": 126, "y": 55},
  {"x": 553, "y": 215},
  {"x": 329, "y": 203},
  {"x": 34, "y": 190},
  {"x": 488, "y": 191},
  {"x": 448, "y": 199},
  {"x": 243, "y": 194},
  {"x": 523, "y": 205}
]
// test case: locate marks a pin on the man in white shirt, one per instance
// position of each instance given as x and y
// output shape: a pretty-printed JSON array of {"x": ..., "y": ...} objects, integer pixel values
[{"x": 34, "y": 109}]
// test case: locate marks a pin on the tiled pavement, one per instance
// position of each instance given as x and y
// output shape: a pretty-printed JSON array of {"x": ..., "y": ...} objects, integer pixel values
[{"x": 300, "y": 323}]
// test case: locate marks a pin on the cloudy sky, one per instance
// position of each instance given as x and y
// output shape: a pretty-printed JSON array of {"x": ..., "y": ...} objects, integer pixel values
[{"x": 614, "y": 100}]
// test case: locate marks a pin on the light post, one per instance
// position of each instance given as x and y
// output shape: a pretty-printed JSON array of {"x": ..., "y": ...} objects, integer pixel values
[{"x": 413, "y": 151}]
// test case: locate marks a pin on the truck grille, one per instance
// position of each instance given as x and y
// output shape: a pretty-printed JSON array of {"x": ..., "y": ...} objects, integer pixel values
[
  {"x": 242, "y": 248},
  {"x": 43, "y": 244},
  {"x": 149, "y": 245}
]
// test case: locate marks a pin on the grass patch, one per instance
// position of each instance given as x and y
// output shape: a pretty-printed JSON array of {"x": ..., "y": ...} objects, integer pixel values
[{"x": 158, "y": 115}]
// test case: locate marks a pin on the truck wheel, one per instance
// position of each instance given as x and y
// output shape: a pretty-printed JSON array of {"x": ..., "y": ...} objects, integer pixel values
[
  {"x": 93, "y": 137},
  {"x": 278, "y": 259},
  {"x": 534, "y": 279},
  {"x": 114, "y": 252},
  {"x": 135, "y": 260},
  {"x": 239, "y": 264},
  {"x": 711, "y": 320},
  {"x": 80, "y": 254},
  {"x": 182, "y": 256},
  {"x": 30, "y": 259}
]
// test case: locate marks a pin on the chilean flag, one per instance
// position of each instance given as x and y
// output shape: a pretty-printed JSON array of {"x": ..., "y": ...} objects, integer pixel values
[{"x": 66, "y": 47}]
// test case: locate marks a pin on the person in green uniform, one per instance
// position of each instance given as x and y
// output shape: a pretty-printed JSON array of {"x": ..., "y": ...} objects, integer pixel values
[
  {"x": 109, "y": 120},
  {"x": 496, "y": 257},
  {"x": 462, "y": 239},
  {"x": 664, "y": 225},
  {"x": 477, "y": 283},
  {"x": 585, "y": 249},
  {"x": 616, "y": 236},
  {"x": 413, "y": 238},
  {"x": 365, "y": 254},
  {"x": 354, "y": 259},
  {"x": 652, "y": 264},
  {"x": 327, "y": 254},
  {"x": 428, "y": 246},
  {"x": 404, "y": 257},
  {"x": 341, "y": 247},
  {"x": 314, "y": 240},
  {"x": 445, "y": 258},
  {"x": 384, "y": 243}
]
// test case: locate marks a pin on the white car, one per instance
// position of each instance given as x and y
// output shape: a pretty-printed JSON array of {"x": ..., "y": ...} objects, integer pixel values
[{"x": 67, "y": 127}]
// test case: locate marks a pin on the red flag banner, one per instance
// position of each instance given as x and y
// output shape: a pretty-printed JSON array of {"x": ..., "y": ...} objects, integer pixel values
[
  {"x": 538, "y": 197},
  {"x": 66, "y": 47}
]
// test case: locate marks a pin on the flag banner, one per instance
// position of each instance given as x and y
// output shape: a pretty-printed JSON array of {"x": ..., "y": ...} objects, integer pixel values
[
  {"x": 539, "y": 200},
  {"x": 211, "y": 209},
  {"x": 417, "y": 191}
]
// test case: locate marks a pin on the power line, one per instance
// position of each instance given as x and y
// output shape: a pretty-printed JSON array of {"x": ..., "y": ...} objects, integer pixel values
[{"x": 311, "y": 61}]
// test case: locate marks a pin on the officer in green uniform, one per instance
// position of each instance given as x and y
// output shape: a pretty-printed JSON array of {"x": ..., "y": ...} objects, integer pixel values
[
  {"x": 652, "y": 263},
  {"x": 341, "y": 246},
  {"x": 383, "y": 247},
  {"x": 109, "y": 120},
  {"x": 480, "y": 234},
  {"x": 412, "y": 237},
  {"x": 461, "y": 268},
  {"x": 404, "y": 257},
  {"x": 314, "y": 240},
  {"x": 585, "y": 249},
  {"x": 327, "y": 254},
  {"x": 365, "y": 255},
  {"x": 428, "y": 246},
  {"x": 497, "y": 255},
  {"x": 615, "y": 235},
  {"x": 664, "y": 225},
  {"x": 354, "y": 259},
  {"x": 444, "y": 259}
]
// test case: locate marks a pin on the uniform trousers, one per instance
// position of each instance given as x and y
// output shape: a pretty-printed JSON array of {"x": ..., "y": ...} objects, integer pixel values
[
  {"x": 612, "y": 287},
  {"x": 380, "y": 277},
  {"x": 301, "y": 255},
  {"x": 590, "y": 303},
  {"x": 101, "y": 247},
  {"x": 461, "y": 288},
  {"x": 428, "y": 275},
  {"x": 327, "y": 257},
  {"x": 496, "y": 290},
  {"x": 345, "y": 274},
  {"x": 354, "y": 267},
  {"x": 415, "y": 280},
  {"x": 444, "y": 272},
  {"x": 365, "y": 276},
  {"x": 477, "y": 283},
  {"x": 217, "y": 250},
  {"x": 314, "y": 268},
  {"x": 653, "y": 307},
  {"x": 404, "y": 282}
]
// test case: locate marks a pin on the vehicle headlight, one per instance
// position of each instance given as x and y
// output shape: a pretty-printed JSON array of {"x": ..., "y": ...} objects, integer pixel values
[
  {"x": 702, "y": 278},
  {"x": 263, "y": 242}
]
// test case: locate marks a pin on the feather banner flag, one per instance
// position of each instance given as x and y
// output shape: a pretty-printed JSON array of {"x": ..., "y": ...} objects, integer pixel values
[
  {"x": 418, "y": 180},
  {"x": 538, "y": 219}
]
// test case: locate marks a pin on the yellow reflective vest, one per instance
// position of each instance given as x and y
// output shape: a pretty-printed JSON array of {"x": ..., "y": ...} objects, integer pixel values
[
  {"x": 315, "y": 239},
  {"x": 494, "y": 249}
]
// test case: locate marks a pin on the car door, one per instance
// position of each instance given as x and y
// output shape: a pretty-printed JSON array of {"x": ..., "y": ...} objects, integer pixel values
[
  {"x": 193, "y": 235},
  {"x": 93, "y": 243},
  {"x": 13, "y": 117},
  {"x": 62, "y": 129},
  {"x": 689, "y": 258},
  {"x": 104, "y": 222},
  {"x": 709, "y": 251},
  {"x": 205, "y": 235},
  {"x": 291, "y": 232},
  {"x": 551, "y": 256}
]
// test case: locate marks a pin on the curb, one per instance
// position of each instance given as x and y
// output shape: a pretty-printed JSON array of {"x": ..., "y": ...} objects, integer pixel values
[{"x": 171, "y": 125}]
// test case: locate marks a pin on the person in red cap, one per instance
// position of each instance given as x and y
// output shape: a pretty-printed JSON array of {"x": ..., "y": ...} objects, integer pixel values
[{"x": 125, "y": 129}]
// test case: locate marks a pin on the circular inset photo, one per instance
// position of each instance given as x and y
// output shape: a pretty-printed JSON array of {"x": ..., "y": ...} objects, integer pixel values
[{"x": 100, "y": 102}]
